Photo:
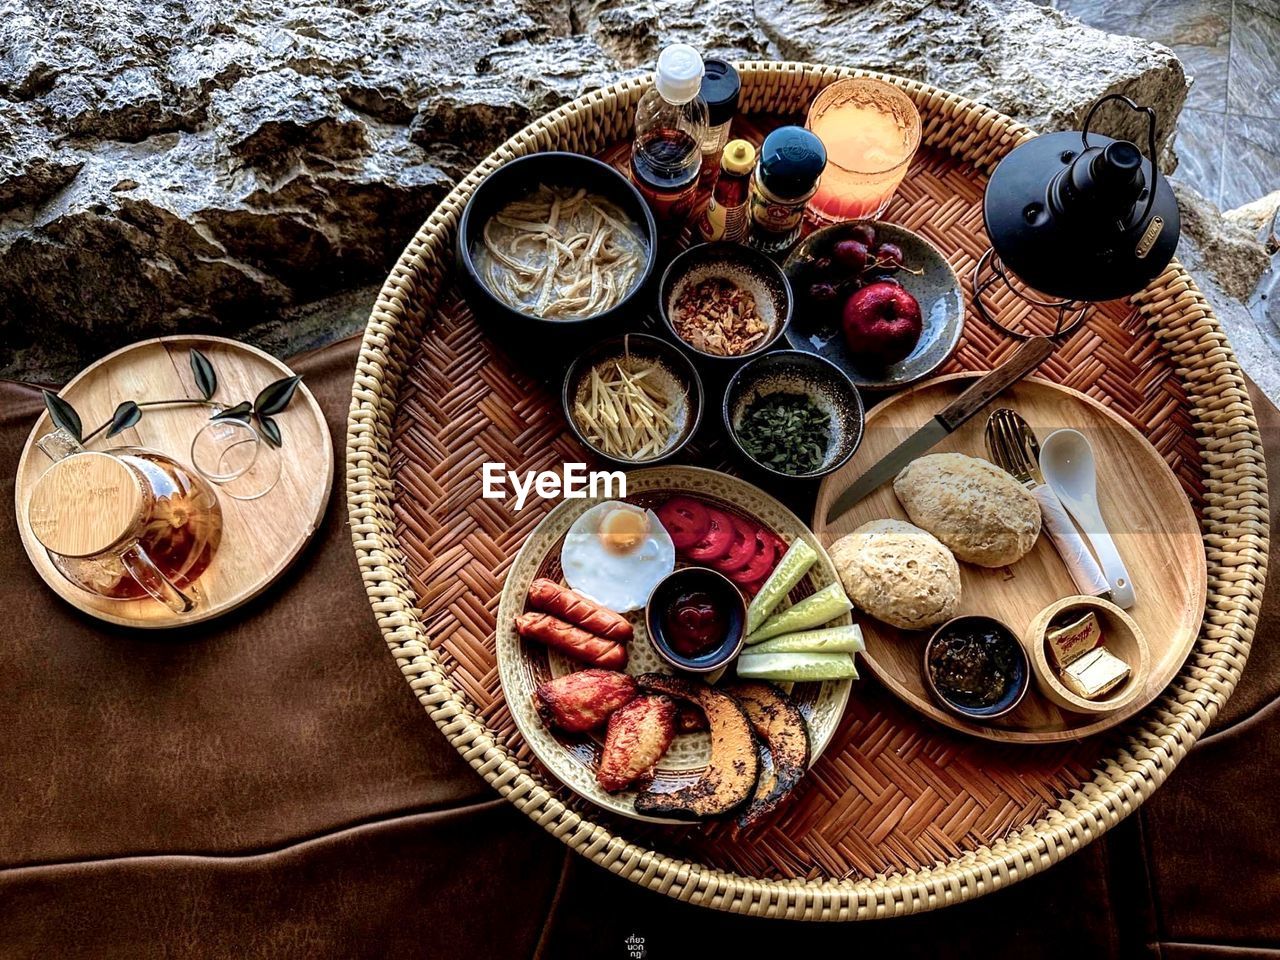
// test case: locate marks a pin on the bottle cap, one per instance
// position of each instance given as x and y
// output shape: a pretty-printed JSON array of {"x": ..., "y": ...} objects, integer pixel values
[
  {"x": 679, "y": 73},
  {"x": 720, "y": 88},
  {"x": 739, "y": 157},
  {"x": 791, "y": 161}
]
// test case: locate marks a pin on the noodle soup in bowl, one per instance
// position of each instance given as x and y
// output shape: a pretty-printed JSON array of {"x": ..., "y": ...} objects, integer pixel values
[{"x": 559, "y": 241}]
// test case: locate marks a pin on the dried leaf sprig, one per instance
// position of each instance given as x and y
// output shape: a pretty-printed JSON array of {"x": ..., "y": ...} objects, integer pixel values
[{"x": 271, "y": 400}]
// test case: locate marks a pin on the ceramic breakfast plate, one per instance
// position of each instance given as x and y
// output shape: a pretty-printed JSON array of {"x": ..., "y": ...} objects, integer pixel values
[
  {"x": 1143, "y": 505},
  {"x": 522, "y": 665},
  {"x": 816, "y": 329}
]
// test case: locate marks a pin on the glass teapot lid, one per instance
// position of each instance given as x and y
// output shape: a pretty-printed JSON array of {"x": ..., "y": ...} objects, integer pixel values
[{"x": 84, "y": 504}]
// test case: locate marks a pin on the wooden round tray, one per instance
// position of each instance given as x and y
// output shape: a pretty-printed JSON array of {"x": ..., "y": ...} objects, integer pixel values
[
  {"x": 900, "y": 814},
  {"x": 1151, "y": 519},
  {"x": 260, "y": 538}
]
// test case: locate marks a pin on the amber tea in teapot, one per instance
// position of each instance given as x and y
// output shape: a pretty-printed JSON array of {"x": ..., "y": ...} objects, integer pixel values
[{"x": 125, "y": 524}]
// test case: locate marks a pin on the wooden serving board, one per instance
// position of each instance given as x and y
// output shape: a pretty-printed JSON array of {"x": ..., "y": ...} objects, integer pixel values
[
  {"x": 260, "y": 538},
  {"x": 1142, "y": 502}
]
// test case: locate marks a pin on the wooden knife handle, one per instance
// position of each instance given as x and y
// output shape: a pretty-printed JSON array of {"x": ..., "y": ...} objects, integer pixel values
[{"x": 1026, "y": 358}]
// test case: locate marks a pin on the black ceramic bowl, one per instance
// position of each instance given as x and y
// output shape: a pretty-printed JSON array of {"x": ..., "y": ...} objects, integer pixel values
[
  {"x": 517, "y": 179},
  {"x": 674, "y": 373},
  {"x": 723, "y": 593},
  {"x": 751, "y": 270},
  {"x": 794, "y": 371},
  {"x": 1021, "y": 671}
]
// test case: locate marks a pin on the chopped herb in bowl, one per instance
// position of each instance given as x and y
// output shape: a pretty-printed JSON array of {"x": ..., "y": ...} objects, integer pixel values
[{"x": 787, "y": 432}]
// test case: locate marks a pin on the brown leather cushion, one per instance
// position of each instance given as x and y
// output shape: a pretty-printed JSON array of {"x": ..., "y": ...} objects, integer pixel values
[
  {"x": 281, "y": 721},
  {"x": 268, "y": 785}
]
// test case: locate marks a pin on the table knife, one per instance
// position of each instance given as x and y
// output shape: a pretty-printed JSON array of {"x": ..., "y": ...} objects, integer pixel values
[{"x": 1026, "y": 358}]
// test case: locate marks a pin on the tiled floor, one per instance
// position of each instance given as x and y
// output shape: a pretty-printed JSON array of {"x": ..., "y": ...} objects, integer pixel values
[{"x": 1229, "y": 134}]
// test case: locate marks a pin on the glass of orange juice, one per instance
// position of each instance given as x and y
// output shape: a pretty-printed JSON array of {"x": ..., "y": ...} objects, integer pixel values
[{"x": 871, "y": 130}]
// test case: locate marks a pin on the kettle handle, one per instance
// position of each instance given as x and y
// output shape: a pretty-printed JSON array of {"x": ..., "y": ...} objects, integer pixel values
[
  {"x": 149, "y": 577},
  {"x": 1151, "y": 142}
]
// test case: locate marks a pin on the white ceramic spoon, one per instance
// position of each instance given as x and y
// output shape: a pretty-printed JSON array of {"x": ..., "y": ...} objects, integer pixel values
[{"x": 1068, "y": 465}]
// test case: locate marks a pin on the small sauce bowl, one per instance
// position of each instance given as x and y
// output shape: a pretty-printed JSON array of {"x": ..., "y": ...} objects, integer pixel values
[
  {"x": 724, "y": 596},
  {"x": 1021, "y": 668}
]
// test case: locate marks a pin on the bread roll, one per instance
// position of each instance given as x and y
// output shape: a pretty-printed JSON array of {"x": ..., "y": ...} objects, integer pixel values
[
  {"x": 898, "y": 573},
  {"x": 975, "y": 508}
]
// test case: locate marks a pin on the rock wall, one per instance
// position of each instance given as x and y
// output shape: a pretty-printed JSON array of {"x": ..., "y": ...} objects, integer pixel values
[{"x": 194, "y": 165}]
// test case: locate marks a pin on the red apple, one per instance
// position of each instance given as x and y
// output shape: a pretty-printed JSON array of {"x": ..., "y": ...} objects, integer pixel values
[{"x": 881, "y": 324}]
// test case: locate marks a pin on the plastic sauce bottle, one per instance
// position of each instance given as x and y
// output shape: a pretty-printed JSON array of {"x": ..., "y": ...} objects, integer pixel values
[
  {"x": 726, "y": 216},
  {"x": 721, "y": 88},
  {"x": 671, "y": 122},
  {"x": 791, "y": 163}
]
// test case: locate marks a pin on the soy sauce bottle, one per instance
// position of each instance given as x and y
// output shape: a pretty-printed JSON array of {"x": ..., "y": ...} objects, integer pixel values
[{"x": 671, "y": 122}]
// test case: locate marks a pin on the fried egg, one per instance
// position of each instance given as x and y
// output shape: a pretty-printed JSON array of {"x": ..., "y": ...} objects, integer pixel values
[{"x": 616, "y": 553}]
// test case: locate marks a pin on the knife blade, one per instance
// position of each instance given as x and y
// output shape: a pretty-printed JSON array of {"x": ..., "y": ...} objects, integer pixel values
[{"x": 1029, "y": 355}]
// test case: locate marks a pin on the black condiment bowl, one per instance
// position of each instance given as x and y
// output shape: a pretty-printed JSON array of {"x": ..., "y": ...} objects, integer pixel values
[
  {"x": 794, "y": 371},
  {"x": 676, "y": 368},
  {"x": 752, "y": 271},
  {"x": 722, "y": 591},
  {"x": 517, "y": 179},
  {"x": 1012, "y": 697}
]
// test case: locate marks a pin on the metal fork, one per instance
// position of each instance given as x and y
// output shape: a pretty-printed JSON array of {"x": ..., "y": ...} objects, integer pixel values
[{"x": 1012, "y": 446}]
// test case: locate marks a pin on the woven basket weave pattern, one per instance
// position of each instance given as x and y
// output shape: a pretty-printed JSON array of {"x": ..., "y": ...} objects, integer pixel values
[{"x": 1200, "y": 381}]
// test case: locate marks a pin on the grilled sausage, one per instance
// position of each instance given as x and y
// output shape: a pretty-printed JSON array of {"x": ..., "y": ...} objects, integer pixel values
[
  {"x": 549, "y": 596},
  {"x": 573, "y": 642}
]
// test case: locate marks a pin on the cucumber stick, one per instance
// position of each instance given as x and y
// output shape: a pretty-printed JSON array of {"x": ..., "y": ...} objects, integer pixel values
[
  {"x": 813, "y": 611},
  {"x": 797, "y": 667},
  {"x": 846, "y": 639},
  {"x": 795, "y": 563}
]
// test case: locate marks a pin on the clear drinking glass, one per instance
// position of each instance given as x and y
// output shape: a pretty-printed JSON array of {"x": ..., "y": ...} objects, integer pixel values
[{"x": 871, "y": 130}]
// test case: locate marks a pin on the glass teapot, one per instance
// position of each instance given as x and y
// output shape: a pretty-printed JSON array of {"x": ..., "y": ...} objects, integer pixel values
[{"x": 125, "y": 524}]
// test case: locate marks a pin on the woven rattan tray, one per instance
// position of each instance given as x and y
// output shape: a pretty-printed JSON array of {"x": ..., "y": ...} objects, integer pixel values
[{"x": 898, "y": 816}]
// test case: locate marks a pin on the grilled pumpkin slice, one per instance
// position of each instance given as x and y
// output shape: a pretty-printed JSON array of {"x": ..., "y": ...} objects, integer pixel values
[
  {"x": 776, "y": 719},
  {"x": 734, "y": 765}
]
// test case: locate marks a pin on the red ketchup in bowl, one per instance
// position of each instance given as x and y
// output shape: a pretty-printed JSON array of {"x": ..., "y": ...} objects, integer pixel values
[{"x": 695, "y": 625}]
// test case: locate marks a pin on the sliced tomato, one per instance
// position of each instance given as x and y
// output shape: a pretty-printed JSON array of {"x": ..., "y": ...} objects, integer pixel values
[
  {"x": 762, "y": 561},
  {"x": 743, "y": 549},
  {"x": 686, "y": 519},
  {"x": 780, "y": 546},
  {"x": 751, "y": 589},
  {"x": 716, "y": 542}
]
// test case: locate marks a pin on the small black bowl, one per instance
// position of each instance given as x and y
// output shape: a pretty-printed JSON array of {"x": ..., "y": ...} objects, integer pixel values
[
  {"x": 721, "y": 589},
  {"x": 751, "y": 270},
  {"x": 1012, "y": 697},
  {"x": 675, "y": 371},
  {"x": 517, "y": 179},
  {"x": 794, "y": 371}
]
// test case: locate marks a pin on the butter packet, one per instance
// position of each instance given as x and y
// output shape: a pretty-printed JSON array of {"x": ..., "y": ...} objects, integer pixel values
[
  {"x": 1095, "y": 674},
  {"x": 1069, "y": 642}
]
